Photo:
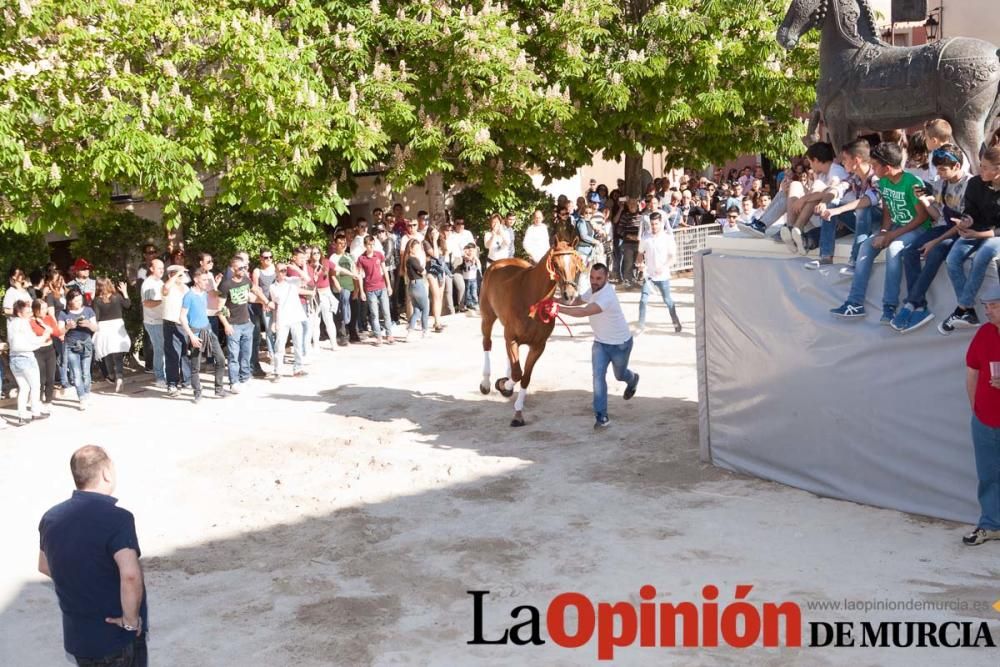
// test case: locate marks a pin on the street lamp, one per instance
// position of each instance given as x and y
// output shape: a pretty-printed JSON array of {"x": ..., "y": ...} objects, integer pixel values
[{"x": 933, "y": 23}]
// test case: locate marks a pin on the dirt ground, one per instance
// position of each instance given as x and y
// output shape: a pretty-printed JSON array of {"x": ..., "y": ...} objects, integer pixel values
[{"x": 341, "y": 518}]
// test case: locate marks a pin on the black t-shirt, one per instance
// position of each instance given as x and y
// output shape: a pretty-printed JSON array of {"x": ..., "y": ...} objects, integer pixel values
[
  {"x": 982, "y": 203},
  {"x": 52, "y": 301},
  {"x": 414, "y": 269},
  {"x": 237, "y": 296}
]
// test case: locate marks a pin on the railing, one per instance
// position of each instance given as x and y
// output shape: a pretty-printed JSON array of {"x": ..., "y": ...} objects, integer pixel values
[{"x": 689, "y": 241}]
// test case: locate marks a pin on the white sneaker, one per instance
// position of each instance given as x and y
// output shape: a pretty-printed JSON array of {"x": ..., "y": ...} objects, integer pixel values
[
  {"x": 118, "y": 386},
  {"x": 83, "y": 405},
  {"x": 786, "y": 236},
  {"x": 847, "y": 270},
  {"x": 798, "y": 241},
  {"x": 817, "y": 264}
]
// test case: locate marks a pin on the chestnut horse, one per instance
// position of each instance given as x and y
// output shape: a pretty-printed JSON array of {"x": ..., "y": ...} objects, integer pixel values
[{"x": 513, "y": 290}]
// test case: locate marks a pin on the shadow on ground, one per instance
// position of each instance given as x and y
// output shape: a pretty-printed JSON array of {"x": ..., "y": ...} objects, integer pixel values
[{"x": 368, "y": 582}]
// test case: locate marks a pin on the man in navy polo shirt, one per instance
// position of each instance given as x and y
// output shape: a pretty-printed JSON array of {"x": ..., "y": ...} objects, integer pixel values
[{"x": 90, "y": 550}]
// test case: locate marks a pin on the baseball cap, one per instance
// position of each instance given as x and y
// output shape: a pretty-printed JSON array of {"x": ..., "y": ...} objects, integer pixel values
[{"x": 991, "y": 294}]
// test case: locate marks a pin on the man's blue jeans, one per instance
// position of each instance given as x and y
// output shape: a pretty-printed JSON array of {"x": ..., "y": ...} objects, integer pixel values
[
  {"x": 918, "y": 280},
  {"x": 239, "y": 352},
  {"x": 859, "y": 222},
  {"x": 663, "y": 286},
  {"x": 376, "y": 298},
  {"x": 175, "y": 354},
  {"x": 601, "y": 355},
  {"x": 893, "y": 268},
  {"x": 985, "y": 250},
  {"x": 986, "y": 442},
  {"x": 154, "y": 333}
]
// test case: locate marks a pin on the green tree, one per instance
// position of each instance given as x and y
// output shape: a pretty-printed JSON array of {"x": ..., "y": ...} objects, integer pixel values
[{"x": 703, "y": 80}]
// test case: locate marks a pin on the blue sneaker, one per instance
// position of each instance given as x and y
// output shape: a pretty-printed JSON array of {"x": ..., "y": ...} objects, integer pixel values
[
  {"x": 902, "y": 319},
  {"x": 888, "y": 313},
  {"x": 849, "y": 311},
  {"x": 920, "y": 317}
]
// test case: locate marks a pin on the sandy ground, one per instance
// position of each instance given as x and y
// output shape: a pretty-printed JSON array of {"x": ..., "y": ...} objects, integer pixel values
[{"x": 339, "y": 519}]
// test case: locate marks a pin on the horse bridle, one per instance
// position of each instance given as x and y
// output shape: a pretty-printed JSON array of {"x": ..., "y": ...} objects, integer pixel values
[{"x": 550, "y": 266}]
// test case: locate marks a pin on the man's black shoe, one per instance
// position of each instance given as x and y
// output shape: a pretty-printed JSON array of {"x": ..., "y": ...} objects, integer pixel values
[
  {"x": 259, "y": 373},
  {"x": 630, "y": 389}
]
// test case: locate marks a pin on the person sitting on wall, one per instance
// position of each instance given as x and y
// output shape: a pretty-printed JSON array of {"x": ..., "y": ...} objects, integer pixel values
[
  {"x": 828, "y": 188},
  {"x": 859, "y": 209},
  {"x": 946, "y": 203},
  {"x": 904, "y": 217},
  {"x": 978, "y": 233}
]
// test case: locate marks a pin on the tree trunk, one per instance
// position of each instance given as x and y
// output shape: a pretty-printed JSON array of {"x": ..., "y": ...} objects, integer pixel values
[
  {"x": 435, "y": 195},
  {"x": 633, "y": 175}
]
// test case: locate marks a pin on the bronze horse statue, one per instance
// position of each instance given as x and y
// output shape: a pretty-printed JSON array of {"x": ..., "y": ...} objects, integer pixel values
[
  {"x": 866, "y": 84},
  {"x": 521, "y": 296}
]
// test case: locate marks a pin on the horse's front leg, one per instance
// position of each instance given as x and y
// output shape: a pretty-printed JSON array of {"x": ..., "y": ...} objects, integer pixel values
[{"x": 534, "y": 352}]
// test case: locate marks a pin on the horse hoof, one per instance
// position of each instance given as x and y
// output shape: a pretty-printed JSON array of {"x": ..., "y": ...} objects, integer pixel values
[
  {"x": 502, "y": 388},
  {"x": 484, "y": 387},
  {"x": 516, "y": 422}
]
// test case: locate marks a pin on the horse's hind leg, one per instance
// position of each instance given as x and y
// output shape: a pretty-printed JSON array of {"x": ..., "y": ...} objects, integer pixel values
[
  {"x": 534, "y": 352},
  {"x": 488, "y": 318}
]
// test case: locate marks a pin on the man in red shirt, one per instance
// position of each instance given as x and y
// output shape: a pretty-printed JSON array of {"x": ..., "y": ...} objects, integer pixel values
[
  {"x": 376, "y": 288},
  {"x": 983, "y": 384}
]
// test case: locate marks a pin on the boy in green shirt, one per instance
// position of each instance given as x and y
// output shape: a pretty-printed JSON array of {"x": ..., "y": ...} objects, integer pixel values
[{"x": 903, "y": 220}]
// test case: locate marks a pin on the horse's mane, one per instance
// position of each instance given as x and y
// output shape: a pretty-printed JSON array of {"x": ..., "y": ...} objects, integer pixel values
[{"x": 869, "y": 17}]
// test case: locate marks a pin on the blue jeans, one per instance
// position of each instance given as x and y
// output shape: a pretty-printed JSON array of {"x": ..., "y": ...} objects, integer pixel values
[
  {"x": 421, "y": 303},
  {"x": 295, "y": 331},
  {"x": 175, "y": 354},
  {"x": 238, "y": 346},
  {"x": 471, "y": 291},
  {"x": 985, "y": 250},
  {"x": 893, "y": 268},
  {"x": 154, "y": 333},
  {"x": 647, "y": 290},
  {"x": 859, "y": 222},
  {"x": 601, "y": 355},
  {"x": 79, "y": 363},
  {"x": 379, "y": 297},
  {"x": 918, "y": 280},
  {"x": 986, "y": 443}
]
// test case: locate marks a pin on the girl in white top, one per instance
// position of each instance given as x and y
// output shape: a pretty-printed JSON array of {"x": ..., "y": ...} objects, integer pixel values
[
  {"x": 497, "y": 241},
  {"x": 23, "y": 343}
]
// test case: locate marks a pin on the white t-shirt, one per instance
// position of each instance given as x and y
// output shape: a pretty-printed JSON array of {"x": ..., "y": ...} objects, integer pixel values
[
  {"x": 609, "y": 325},
  {"x": 13, "y": 295},
  {"x": 536, "y": 241},
  {"x": 286, "y": 295},
  {"x": 172, "y": 303},
  {"x": 836, "y": 177},
  {"x": 152, "y": 290},
  {"x": 464, "y": 238},
  {"x": 657, "y": 251}
]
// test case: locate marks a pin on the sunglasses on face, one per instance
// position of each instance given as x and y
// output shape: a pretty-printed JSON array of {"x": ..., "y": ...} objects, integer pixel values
[{"x": 239, "y": 267}]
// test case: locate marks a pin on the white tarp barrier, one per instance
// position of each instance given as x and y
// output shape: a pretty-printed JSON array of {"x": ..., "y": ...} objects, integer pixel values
[{"x": 845, "y": 409}]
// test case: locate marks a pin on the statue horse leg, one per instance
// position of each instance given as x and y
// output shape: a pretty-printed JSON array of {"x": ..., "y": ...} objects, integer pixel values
[
  {"x": 486, "y": 326},
  {"x": 970, "y": 135},
  {"x": 534, "y": 352}
]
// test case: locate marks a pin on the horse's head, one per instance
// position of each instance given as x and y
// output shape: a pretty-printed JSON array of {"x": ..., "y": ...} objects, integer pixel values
[
  {"x": 564, "y": 264},
  {"x": 802, "y": 16}
]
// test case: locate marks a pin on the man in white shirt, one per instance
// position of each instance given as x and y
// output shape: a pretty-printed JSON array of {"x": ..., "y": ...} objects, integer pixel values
[
  {"x": 151, "y": 293},
  {"x": 612, "y": 339},
  {"x": 829, "y": 188},
  {"x": 656, "y": 252},
  {"x": 463, "y": 236},
  {"x": 508, "y": 229},
  {"x": 536, "y": 237}
]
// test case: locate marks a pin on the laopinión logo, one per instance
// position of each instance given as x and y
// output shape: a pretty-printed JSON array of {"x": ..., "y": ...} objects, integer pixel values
[{"x": 739, "y": 624}]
